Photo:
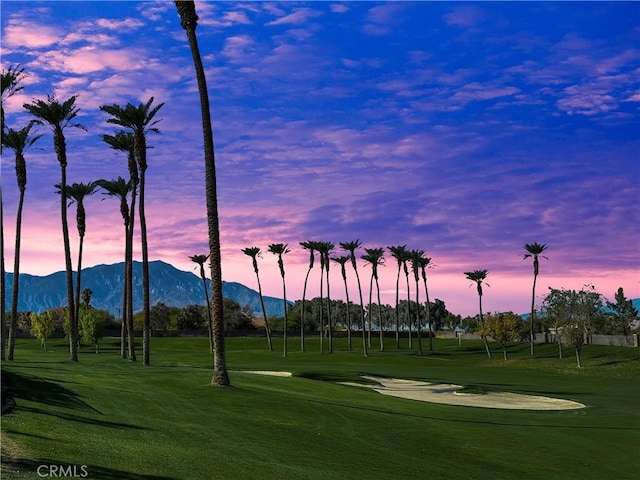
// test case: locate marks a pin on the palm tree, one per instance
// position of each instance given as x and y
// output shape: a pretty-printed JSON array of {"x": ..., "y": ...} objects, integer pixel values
[
  {"x": 417, "y": 258},
  {"x": 59, "y": 116},
  {"x": 189, "y": 21},
  {"x": 76, "y": 193},
  {"x": 10, "y": 84},
  {"x": 281, "y": 249},
  {"x": 254, "y": 253},
  {"x": 405, "y": 267},
  {"x": 479, "y": 277},
  {"x": 424, "y": 264},
  {"x": 401, "y": 255},
  {"x": 119, "y": 189},
  {"x": 311, "y": 247},
  {"x": 200, "y": 259},
  {"x": 342, "y": 261},
  {"x": 124, "y": 142},
  {"x": 18, "y": 141},
  {"x": 375, "y": 256},
  {"x": 534, "y": 250},
  {"x": 325, "y": 248},
  {"x": 351, "y": 247},
  {"x": 140, "y": 121}
]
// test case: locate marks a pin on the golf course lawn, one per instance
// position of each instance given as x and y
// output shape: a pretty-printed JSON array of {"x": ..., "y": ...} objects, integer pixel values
[{"x": 120, "y": 420}]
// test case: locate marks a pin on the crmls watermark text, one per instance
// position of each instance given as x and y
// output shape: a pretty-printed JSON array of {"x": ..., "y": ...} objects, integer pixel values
[{"x": 63, "y": 471}]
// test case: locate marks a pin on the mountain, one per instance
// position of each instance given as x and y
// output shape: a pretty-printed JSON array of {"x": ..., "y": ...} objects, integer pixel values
[{"x": 167, "y": 284}]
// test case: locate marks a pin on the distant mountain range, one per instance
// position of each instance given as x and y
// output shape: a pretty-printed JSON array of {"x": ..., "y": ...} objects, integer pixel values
[{"x": 167, "y": 284}]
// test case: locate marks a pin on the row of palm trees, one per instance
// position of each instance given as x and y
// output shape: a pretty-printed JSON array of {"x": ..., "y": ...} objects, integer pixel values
[{"x": 404, "y": 257}]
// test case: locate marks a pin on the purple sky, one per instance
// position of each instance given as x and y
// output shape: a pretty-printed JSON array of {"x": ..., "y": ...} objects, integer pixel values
[{"x": 463, "y": 129}]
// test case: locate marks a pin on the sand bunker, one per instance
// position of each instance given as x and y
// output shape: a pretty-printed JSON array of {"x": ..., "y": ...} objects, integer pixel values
[{"x": 447, "y": 393}]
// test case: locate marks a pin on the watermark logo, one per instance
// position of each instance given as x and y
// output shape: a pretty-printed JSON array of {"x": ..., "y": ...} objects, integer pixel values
[{"x": 63, "y": 471}]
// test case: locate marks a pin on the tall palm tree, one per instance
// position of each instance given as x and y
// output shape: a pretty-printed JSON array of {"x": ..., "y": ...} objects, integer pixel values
[
  {"x": 139, "y": 120},
  {"x": 424, "y": 264},
  {"x": 18, "y": 141},
  {"x": 479, "y": 277},
  {"x": 124, "y": 142},
  {"x": 254, "y": 253},
  {"x": 405, "y": 267},
  {"x": 416, "y": 259},
  {"x": 76, "y": 193},
  {"x": 200, "y": 260},
  {"x": 10, "y": 79},
  {"x": 59, "y": 116},
  {"x": 324, "y": 249},
  {"x": 351, "y": 247},
  {"x": 120, "y": 189},
  {"x": 375, "y": 256},
  {"x": 281, "y": 249},
  {"x": 342, "y": 261},
  {"x": 310, "y": 246},
  {"x": 189, "y": 21},
  {"x": 401, "y": 254},
  {"x": 534, "y": 250}
]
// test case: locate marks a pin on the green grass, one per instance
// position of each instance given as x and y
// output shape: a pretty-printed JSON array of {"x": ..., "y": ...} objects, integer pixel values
[{"x": 129, "y": 422}]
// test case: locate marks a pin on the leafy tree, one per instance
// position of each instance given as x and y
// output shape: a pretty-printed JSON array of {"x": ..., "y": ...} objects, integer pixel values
[
  {"x": 351, "y": 247},
  {"x": 401, "y": 254},
  {"x": 92, "y": 326},
  {"x": 623, "y": 313},
  {"x": 160, "y": 316},
  {"x": 281, "y": 249},
  {"x": 200, "y": 259},
  {"x": 479, "y": 277},
  {"x": 534, "y": 250},
  {"x": 237, "y": 317},
  {"x": 192, "y": 317},
  {"x": 120, "y": 189},
  {"x": 189, "y": 21},
  {"x": 503, "y": 328},
  {"x": 60, "y": 116},
  {"x": 42, "y": 327},
  {"x": 559, "y": 307},
  {"x": 439, "y": 313},
  {"x": 18, "y": 141},
  {"x": 254, "y": 253}
]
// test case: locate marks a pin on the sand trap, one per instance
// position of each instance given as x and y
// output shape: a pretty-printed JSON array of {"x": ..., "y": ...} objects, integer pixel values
[{"x": 447, "y": 393}]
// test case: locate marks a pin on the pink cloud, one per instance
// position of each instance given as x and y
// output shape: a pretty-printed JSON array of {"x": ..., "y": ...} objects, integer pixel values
[
  {"x": 30, "y": 35},
  {"x": 298, "y": 17}
]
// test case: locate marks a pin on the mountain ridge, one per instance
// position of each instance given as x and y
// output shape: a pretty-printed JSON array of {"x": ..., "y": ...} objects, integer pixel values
[{"x": 167, "y": 284}]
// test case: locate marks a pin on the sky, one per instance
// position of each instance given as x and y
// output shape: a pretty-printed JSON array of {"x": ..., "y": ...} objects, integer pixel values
[{"x": 466, "y": 130}]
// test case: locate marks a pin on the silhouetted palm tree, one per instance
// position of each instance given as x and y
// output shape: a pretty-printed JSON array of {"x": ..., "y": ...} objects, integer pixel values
[
  {"x": 375, "y": 256},
  {"x": 401, "y": 254},
  {"x": 416, "y": 258},
  {"x": 324, "y": 249},
  {"x": 534, "y": 250},
  {"x": 254, "y": 253},
  {"x": 76, "y": 193},
  {"x": 351, "y": 247},
  {"x": 311, "y": 247},
  {"x": 281, "y": 249},
  {"x": 18, "y": 141},
  {"x": 424, "y": 264},
  {"x": 140, "y": 121},
  {"x": 59, "y": 116},
  {"x": 343, "y": 262},
  {"x": 189, "y": 21},
  {"x": 10, "y": 79},
  {"x": 119, "y": 189},
  {"x": 479, "y": 277},
  {"x": 200, "y": 259}
]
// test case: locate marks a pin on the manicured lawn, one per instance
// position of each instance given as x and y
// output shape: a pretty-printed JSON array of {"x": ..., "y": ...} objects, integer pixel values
[{"x": 126, "y": 421}]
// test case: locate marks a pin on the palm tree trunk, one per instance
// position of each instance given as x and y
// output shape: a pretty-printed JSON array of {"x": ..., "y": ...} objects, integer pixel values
[
  {"x": 79, "y": 276},
  {"x": 533, "y": 314},
  {"x": 380, "y": 317},
  {"x": 264, "y": 315},
  {"x": 397, "y": 310},
  {"x": 321, "y": 309},
  {"x": 129, "y": 282},
  {"x": 220, "y": 375},
  {"x": 364, "y": 339},
  {"x": 60, "y": 148},
  {"x": 370, "y": 312},
  {"x": 409, "y": 313},
  {"x": 146, "y": 308},
  {"x": 346, "y": 290},
  {"x": 484, "y": 337},
  {"x": 284, "y": 330},
  {"x": 206, "y": 297},
  {"x": 329, "y": 322},
  {"x": 304, "y": 293},
  {"x": 16, "y": 280},
  {"x": 3, "y": 289},
  {"x": 418, "y": 320},
  {"x": 123, "y": 318},
  {"x": 426, "y": 292}
]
